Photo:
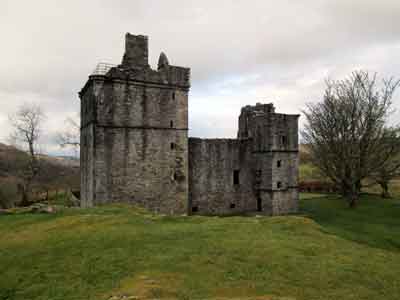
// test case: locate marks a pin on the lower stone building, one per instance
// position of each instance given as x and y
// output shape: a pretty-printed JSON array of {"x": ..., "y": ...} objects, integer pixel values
[
  {"x": 255, "y": 172},
  {"x": 135, "y": 146}
]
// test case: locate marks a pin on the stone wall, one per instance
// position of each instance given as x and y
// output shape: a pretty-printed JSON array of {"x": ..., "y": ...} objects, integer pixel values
[
  {"x": 138, "y": 166},
  {"x": 285, "y": 163},
  {"x": 87, "y": 165},
  {"x": 212, "y": 163},
  {"x": 141, "y": 146},
  {"x": 87, "y": 149},
  {"x": 131, "y": 104},
  {"x": 275, "y": 156},
  {"x": 285, "y": 202}
]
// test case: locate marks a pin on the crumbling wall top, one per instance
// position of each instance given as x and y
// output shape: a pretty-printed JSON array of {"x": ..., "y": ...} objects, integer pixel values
[
  {"x": 259, "y": 108},
  {"x": 135, "y": 67},
  {"x": 136, "y": 54}
]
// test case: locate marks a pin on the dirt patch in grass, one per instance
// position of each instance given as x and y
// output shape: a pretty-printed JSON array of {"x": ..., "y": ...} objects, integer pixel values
[{"x": 150, "y": 286}]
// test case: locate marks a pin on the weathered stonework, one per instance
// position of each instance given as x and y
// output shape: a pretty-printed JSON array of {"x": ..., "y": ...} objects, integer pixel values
[
  {"x": 134, "y": 133},
  {"x": 135, "y": 147},
  {"x": 264, "y": 158}
]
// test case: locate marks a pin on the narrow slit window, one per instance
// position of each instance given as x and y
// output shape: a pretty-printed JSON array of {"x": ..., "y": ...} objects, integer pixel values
[
  {"x": 236, "y": 177},
  {"x": 279, "y": 184},
  {"x": 173, "y": 95},
  {"x": 283, "y": 140},
  {"x": 278, "y": 163},
  {"x": 172, "y": 146},
  {"x": 171, "y": 124},
  {"x": 175, "y": 176},
  {"x": 258, "y": 176}
]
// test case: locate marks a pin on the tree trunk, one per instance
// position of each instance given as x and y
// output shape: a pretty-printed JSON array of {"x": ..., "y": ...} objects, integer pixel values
[
  {"x": 358, "y": 186},
  {"x": 24, "y": 200},
  {"x": 353, "y": 201},
  {"x": 385, "y": 190},
  {"x": 351, "y": 194},
  {"x": 25, "y": 195}
]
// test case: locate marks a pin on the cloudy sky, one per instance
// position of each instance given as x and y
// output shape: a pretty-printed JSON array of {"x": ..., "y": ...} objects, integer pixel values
[{"x": 239, "y": 52}]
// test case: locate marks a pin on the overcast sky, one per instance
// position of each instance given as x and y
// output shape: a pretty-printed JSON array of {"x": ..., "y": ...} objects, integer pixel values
[{"x": 239, "y": 52}]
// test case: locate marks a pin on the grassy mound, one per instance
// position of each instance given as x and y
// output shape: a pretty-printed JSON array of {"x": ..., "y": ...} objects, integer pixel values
[{"x": 326, "y": 252}]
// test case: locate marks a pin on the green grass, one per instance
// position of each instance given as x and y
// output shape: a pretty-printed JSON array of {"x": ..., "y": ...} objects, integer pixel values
[
  {"x": 308, "y": 172},
  {"x": 326, "y": 252}
]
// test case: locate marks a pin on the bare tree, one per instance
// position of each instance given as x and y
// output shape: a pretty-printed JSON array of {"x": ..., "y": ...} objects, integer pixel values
[
  {"x": 26, "y": 124},
  {"x": 347, "y": 130},
  {"x": 391, "y": 166},
  {"x": 70, "y": 136}
]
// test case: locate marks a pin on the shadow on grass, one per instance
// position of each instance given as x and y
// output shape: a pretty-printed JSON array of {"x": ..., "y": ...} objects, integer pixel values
[{"x": 374, "y": 222}]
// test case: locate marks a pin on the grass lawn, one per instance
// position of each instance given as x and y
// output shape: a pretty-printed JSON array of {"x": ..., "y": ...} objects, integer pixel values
[{"x": 326, "y": 252}]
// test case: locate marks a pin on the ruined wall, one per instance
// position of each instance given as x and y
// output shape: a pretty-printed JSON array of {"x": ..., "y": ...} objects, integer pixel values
[
  {"x": 135, "y": 146},
  {"x": 285, "y": 202},
  {"x": 212, "y": 163},
  {"x": 138, "y": 166},
  {"x": 262, "y": 169},
  {"x": 132, "y": 104},
  {"x": 141, "y": 146},
  {"x": 88, "y": 116},
  {"x": 87, "y": 165},
  {"x": 285, "y": 163},
  {"x": 136, "y": 51}
]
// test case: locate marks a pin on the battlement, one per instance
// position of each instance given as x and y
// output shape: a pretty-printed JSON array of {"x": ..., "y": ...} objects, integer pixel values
[
  {"x": 135, "y": 67},
  {"x": 259, "y": 108}
]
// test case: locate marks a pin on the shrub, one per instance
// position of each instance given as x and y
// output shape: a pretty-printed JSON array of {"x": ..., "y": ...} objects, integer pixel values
[{"x": 8, "y": 194}]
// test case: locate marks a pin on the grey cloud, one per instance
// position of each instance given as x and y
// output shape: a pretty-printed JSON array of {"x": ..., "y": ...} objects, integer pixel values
[{"x": 239, "y": 53}]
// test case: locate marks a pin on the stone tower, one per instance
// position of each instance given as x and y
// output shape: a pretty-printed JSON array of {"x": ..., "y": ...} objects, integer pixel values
[
  {"x": 134, "y": 133},
  {"x": 274, "y": 156}
]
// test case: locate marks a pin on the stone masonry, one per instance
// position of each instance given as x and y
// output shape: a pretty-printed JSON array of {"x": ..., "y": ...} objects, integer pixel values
[{"x": 135, "y": 146}]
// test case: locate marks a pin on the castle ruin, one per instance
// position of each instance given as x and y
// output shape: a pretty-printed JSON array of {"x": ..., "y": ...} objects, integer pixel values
[{"x": 135, "y": 146}]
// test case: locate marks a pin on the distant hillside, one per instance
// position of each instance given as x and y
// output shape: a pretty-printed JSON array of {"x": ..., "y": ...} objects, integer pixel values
[
  {"x": 12, "y": 158},
  {"x": 68, "y": 161},
  {"x": 56, "y": 172}
]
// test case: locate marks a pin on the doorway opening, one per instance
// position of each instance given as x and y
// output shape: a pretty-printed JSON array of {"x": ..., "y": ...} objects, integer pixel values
[{"x": 259, "y": 204}]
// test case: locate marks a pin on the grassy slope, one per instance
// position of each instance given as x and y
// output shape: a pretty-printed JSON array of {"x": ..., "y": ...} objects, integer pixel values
[{"x": 330, "y": 252}]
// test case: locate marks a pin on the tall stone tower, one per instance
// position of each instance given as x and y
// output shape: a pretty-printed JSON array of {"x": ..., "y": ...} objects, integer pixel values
[
  {"x": 275, "y": 159},
  {"x": 134, "y": 133}
]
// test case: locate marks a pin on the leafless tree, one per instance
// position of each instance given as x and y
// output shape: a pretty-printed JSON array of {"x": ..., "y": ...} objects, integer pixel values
[
  {"x": 26, "y": 124},
  {"x": 391, "y": 166},
  {"x": 70, "y": 136},
  {"x": 347, "y": 130}
]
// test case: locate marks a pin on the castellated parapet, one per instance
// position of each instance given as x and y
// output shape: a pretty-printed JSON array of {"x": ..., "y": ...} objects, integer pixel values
[{"x": 135, "y": 146}]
